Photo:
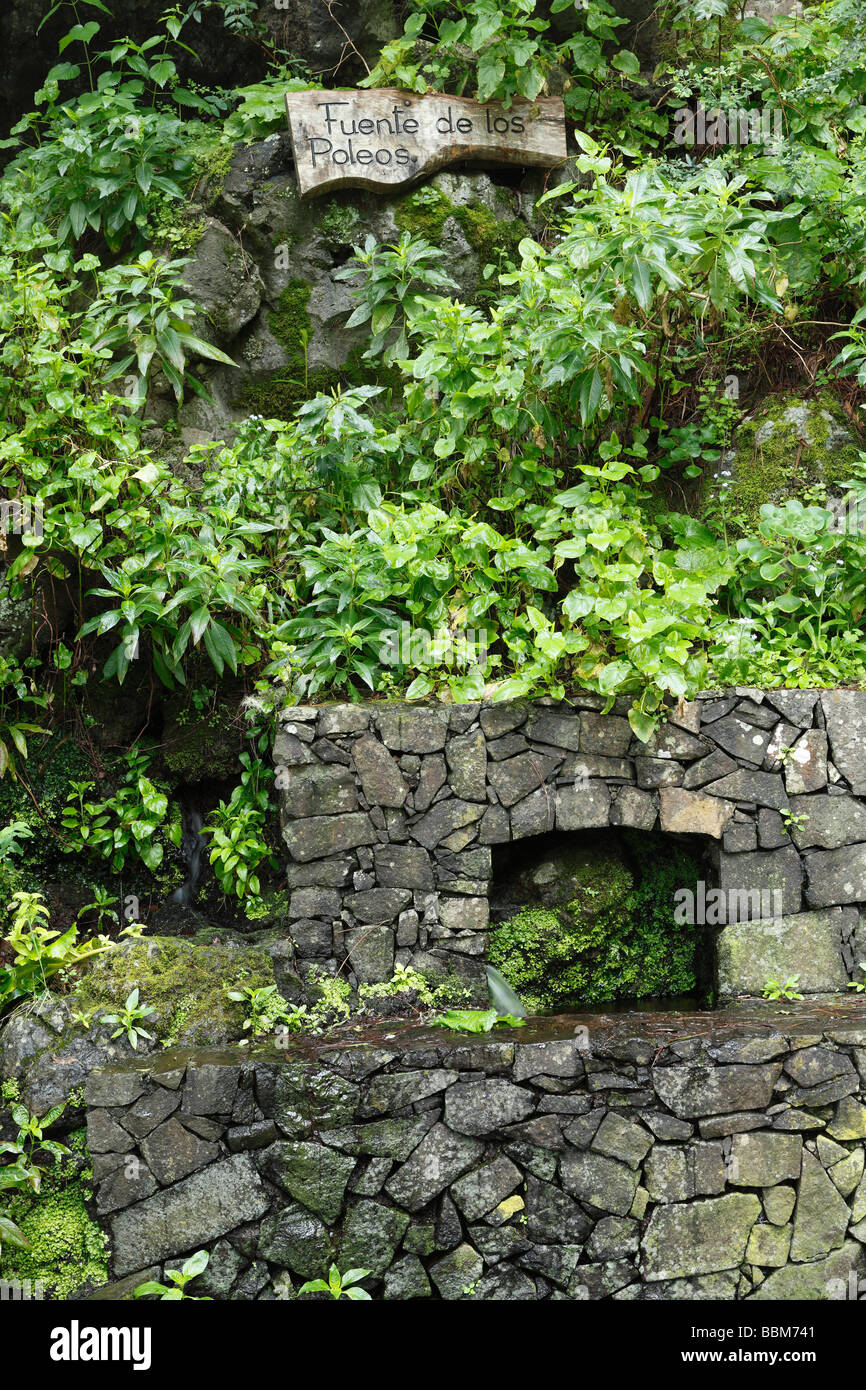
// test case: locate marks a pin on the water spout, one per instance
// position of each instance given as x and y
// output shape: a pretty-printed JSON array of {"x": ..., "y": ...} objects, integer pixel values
[
  {"x": 502, "y": 996},
  {"x": 192, "y": 846}
]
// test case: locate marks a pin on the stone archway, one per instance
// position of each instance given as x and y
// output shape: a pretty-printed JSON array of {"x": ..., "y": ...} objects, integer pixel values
[{"x": 389, "y": 813}]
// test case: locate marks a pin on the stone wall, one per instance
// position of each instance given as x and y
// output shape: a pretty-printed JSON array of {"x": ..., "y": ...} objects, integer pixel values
[
  {"x": 711, "y": 1156},
  {"x": 390, "y": 813}
]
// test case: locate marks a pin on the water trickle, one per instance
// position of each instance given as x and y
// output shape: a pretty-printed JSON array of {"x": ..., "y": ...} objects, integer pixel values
[
  {"x": 192, "y": 847},
  {"x": 502, "y": 996}
]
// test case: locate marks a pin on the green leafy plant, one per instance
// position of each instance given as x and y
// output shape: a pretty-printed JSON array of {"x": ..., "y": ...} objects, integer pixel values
[
  {"x": 28, "y": 1143},
  {"x": 476, "y": 1020},
  {"x": 129, "y": 1020},
  {"x": 505, "y": 47},
  {"x": 783, "y": 989},
  {"x": 389, "y": 295},
  {"x": 38, "y": 953},
  {"x": 11, "y": 837},
  {"x": 121, "y": 826},
  {"x": 261, "y": 108},
  {"x": 16, "y": 695},
  {"x": 859, "y": 985},
  {"x": 265, "y": 1010},
  {"x": 137, "y": 321},
  {"x": 176, "y": 1290},
  {"x": 95, "y": 158},
  {"x": 339, "y": 1285},
  {"x": 236, "y": 832},
  {"x": 798, "y": 593},
  {"x": 22, "y": 1173}
]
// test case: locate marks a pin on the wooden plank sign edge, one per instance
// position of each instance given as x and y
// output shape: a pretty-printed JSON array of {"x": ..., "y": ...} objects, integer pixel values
[{"x": 435, "y": 130}]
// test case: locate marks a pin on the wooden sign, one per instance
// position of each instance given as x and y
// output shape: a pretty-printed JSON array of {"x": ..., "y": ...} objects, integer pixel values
[{"x": 386, "y": 138}]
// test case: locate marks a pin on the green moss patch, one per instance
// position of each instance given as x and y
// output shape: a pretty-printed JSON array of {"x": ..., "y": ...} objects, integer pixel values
[
  {"x": 182, "y": 982},
  {"x": 424, "y": 213},
  {"x": 793, "y": 448},
  {"x": 492, "y": 237},
  {"x": 67, "y": 1253}
]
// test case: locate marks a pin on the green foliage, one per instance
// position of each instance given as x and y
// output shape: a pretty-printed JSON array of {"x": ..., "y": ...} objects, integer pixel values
[
  {"x": 18, "y": 696},
  {"x": 21, "y": 1173},
  {"x": 504, "y": 48},
  {"x": 236, "y": 830},
  {"x": 123, "y": 826},
  {"x": 37, "y": 952},
  {"x": 783, "y": 989},
  {"x": 264, "y": 1009},
  {"x": 96, "y": 158},
  {"x": 262, "y": 108},
  {"x": 339, "y": 1285},
  {"x": 404, "y": 978},
  {"x": 333, "y": 996},
  {"x": 798, "y": 593},
  {"x": 859, "y": 985},
  {"x": 388, "y": 297},
  {"x": 129, "y": 1020},
  {"x": 526, "y": 467},
  {"x": 137, "y": 321},
  {"x": 63, "y": 1248},
  {"x": 191, "y": 1269}
]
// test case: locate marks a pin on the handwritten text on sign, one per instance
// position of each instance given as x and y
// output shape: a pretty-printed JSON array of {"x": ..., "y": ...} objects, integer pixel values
[{"x": 389, "y": 138}]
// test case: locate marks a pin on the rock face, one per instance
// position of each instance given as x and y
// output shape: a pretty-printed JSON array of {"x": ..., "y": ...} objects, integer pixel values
[
  {"x": 454, "y": 1167},
  {"x": 757, "y": 468},
  {"x": 808, "y": 945},
  {"x": 429, "y": 789},
  {"x": 264, "y": 271},
  {"x": 699, "y": 1237}
]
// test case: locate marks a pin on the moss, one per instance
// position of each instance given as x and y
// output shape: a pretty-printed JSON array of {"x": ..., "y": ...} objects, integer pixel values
[
  {"x": 176, "y": 228},
  {"x": 199, "y": 747},
  {"x": 212, "y": 160},
  {"x": 270, "y": 907},
  {"x": 184, "y": 984},
  {"x": 792, "y": 448},
  {"x": 447, "y": 991},
  {"x": 290, "y": 322},
  {"x": 492, "y": 237},
  {"x": 616, "y": 938},
  {"x": 68, "y": 1251},
  {"x": 424, "y": 214},
  {"x": 339, "y": 222},
  {"x": 332, "y": 994},
  {"x": 278, "y": 397}
]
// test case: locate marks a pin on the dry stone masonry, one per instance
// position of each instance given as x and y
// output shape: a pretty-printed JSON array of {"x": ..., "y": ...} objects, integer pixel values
[
  {"x": 390, "y": 814},
  {"x": 631, "y": 1159}
]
